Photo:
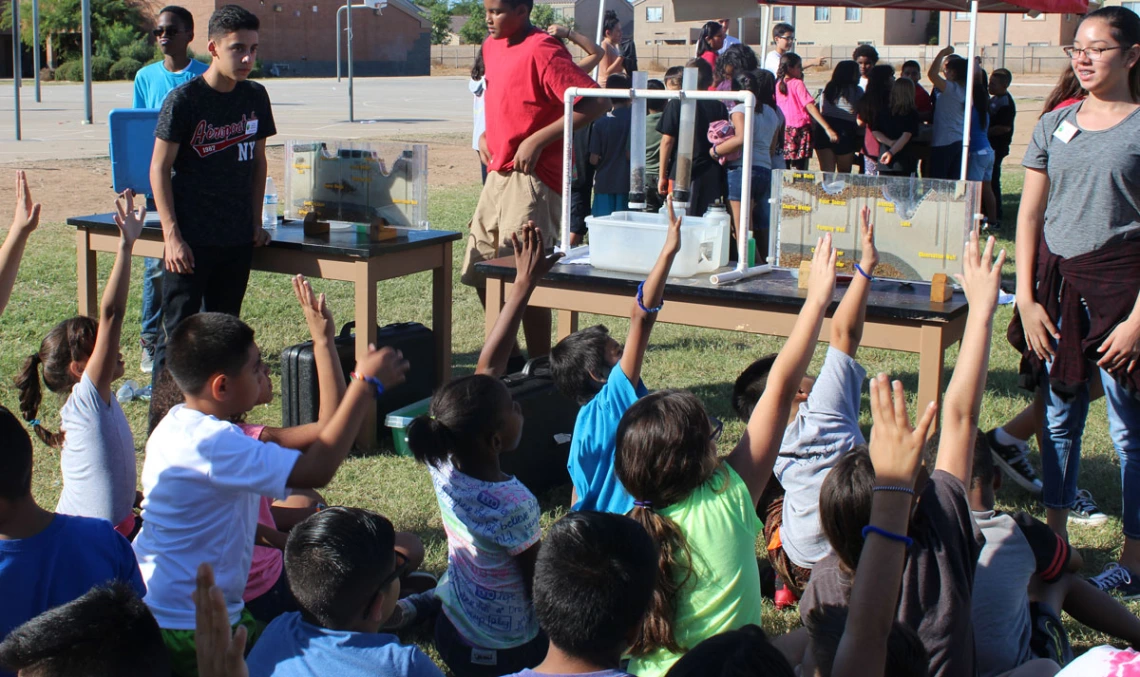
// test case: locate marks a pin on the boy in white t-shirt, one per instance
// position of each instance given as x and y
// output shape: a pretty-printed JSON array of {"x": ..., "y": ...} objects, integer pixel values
[{"x": 203, "y": 477}]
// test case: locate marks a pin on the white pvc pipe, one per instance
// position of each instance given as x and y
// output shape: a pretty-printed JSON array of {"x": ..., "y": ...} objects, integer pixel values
[
  {"x": 567, "y": 162},
  {"x": 969, "y": 88},
  {"x": 637, "y": 144},
  {"x": 743, "y": 229}
]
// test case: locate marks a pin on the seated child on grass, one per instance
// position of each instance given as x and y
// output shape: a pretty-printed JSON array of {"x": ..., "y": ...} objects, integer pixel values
[
  {"x": 487, "y": 627},
  {"x": 267, "y": 593},
  {"x": 593, "y": 369},
  {"x": 939, "y": 571},
  {"x": 106, "y": 631},
  {"x": 24, "y": 221},
  {"x": 1026, "y": 576},
  {"x": 746, "y": 651},
  {"x": 204, "y": 477},
  {"x": 700, "y": 509},
  {"x": 824, "y": 426},
  {"x": 82, "y": 358},
  {"x": 593, "y": 581},
  {"x": 344, "y": 570},
  {"x": 47, "y": 559}
]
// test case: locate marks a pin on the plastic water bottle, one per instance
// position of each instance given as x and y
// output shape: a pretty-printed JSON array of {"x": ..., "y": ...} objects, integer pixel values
[
  {"x": 131, "y": 390},
  {"x": 269, "y": 211}
]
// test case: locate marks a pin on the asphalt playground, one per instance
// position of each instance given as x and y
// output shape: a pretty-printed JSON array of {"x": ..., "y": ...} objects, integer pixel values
[{"x": 419, "y": 109}]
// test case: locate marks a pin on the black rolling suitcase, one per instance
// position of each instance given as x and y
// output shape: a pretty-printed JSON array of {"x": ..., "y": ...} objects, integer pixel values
[
  {"x": 300, "y": 396},
  {"x": 548, "y": 421}
]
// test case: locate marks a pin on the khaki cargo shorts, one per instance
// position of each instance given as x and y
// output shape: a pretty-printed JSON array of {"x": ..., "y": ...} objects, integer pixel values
[{"x": 508, "y": 201}]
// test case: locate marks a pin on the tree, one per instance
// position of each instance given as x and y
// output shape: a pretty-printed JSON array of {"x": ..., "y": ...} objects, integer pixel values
[
  {"x": 543, "y": 15},
  {"x": 440, "y": 19},
  {"x": 116, "y": 22},
  {"x": 474, "y": 30}
]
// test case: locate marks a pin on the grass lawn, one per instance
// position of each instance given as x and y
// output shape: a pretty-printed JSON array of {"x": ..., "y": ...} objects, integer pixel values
[{"x": 704, "y": 361}]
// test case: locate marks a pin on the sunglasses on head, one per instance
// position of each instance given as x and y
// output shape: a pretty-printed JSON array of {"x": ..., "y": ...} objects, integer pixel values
[{"x": 170, "y": 31}]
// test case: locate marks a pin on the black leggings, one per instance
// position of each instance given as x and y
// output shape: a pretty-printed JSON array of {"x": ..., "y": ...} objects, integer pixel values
[{"x": 465, "y": 660}]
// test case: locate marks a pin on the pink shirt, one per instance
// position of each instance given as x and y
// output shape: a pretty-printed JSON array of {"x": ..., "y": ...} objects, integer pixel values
[
  {"x": 267, "y": 562},
  {"x": 794, "y": 104}
]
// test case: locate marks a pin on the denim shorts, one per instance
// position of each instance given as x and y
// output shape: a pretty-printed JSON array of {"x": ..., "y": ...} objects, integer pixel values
[
  {"x": 980, "y": 166},
  {"x": 761, "y": 182}
]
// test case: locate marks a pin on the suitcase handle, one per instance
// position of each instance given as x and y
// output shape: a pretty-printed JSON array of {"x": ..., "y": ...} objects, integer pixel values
[
  {"x": 534, "y": 365},
  {"x": 347, "y": 329}
]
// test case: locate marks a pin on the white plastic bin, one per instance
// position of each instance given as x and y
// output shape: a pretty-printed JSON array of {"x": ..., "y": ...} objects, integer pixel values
[{"x": 630, "y": 242}]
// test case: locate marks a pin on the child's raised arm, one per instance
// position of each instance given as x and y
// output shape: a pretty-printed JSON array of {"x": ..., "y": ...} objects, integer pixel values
[
  {"x": 649, "y": 300},
  {"x": 896, "y": 452},
  {"x": 330, "y": 376},
  {"x": 25, "y": 220},
  {"x": 847, "y": 323},
  {"x": 755, "y": 454},
  {"x": 981, "y": 280},
  {"x": 531, "y": 264},
  {"x": 220, "y": 654},
  {"x": 105, "y": 357},
  {"x": 318, "y": 465}
]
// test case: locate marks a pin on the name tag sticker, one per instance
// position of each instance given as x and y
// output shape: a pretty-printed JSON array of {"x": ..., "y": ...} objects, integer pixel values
[
  {"x": 251, "y": 127},
  {"x": 1065, "y": 131},
  {"x": 484, "y": 656}
]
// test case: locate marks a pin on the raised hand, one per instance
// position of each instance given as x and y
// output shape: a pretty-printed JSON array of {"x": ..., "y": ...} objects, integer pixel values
[
  {"x": 821, "y": 285},
  {"x": 386, "y": 364},
  {"x": 220, "y": 654},
  {"x": 128, "y": 218},
  {"x": 896, "y": 446},
  {"x": 27, "y": 215},
  {"x": 981, "y": 274},
  {"x": 870, "y": 254},
  {"x": 531, "y": 260},
  {"x": 673, "y": 238},
  {"x": 318, "y": 315}
]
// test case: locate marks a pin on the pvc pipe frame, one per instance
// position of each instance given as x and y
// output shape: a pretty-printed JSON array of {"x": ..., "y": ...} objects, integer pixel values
[
  {"x": 742, "y": 229},
  {"x": 970, "y": 68}
]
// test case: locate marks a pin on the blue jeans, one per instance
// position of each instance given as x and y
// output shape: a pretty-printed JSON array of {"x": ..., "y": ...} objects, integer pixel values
[
  {"x": 1061, "y": 446},
  {"x": 151, "y": 300},
  {"x": 761, "y": 195}
]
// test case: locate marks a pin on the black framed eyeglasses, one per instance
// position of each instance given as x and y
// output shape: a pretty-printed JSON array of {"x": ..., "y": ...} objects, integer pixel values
[
  {"x": 1093, "y": 53},
  {"x": 170, "y": 31},
  {"x": 399, "y": 572}
]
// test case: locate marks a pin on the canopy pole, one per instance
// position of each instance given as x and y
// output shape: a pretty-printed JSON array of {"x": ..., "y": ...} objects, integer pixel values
[
  {"x": 36, "y": 44},
  {"x": 351, "y": 101},
  {"x": 765, "y": 41},
  {"x": 970, "y": 68},
  {"x": 598, "y": 41},
  {"x": 1002, "y": 25}
]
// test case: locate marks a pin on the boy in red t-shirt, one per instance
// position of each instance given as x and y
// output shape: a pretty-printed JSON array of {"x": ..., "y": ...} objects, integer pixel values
[{"x": 528, "y": 71}]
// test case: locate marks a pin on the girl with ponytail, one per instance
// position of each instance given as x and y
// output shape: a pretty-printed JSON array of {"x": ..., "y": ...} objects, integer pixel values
[
  {"x": 799, "y": 110},
  {"x": 81, "y": 359},
  {"x": 488, "y": 626}
]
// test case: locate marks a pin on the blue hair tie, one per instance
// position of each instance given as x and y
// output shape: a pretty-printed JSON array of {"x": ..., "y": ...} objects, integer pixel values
[
  {"x": 33, "y": 423},
  {"x": 648, "y": 505}
]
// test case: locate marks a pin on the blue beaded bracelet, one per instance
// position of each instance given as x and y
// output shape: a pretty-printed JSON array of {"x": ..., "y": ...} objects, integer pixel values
[
  {"x": 871, "y": 529},
  {"x": 370, "y": 380},
  {"x": 863, "y": 272},
  {"x": 641, "y": 300}
]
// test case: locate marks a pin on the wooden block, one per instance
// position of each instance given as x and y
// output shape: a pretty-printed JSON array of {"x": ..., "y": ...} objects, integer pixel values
[
  {"x": 940, "y": 289},
  {"x": 380, "y": 233},
  {"x": 805, "y": 274},
  {"x": 314, "y": 227}
]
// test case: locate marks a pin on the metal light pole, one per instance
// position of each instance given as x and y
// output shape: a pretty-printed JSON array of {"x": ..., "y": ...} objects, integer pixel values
[
  {"x": 348, "y": 4},
  {"x": 89, "y": 115},
  {"x": 1001, "y": 39},
  {"x": 16, "y": 65},
  {"x": 36, "y": 44}
]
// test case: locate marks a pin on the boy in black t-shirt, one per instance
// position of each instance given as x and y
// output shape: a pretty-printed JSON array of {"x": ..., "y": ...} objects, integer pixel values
[
  {"x": 1002, "y": 113},
  {"x": 211, "y": 136},
  {"x": 705, "y": 183}
]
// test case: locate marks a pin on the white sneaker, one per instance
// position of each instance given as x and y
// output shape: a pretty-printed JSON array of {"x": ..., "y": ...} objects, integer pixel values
[{"x": 1085, "y": 511}]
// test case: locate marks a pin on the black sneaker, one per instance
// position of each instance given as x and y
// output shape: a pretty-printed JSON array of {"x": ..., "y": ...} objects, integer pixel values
[
  {"x": 1118, "y": 579},
  {"x": 1013, "y": 459},
  {"x": 1084, "y": 510}
]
